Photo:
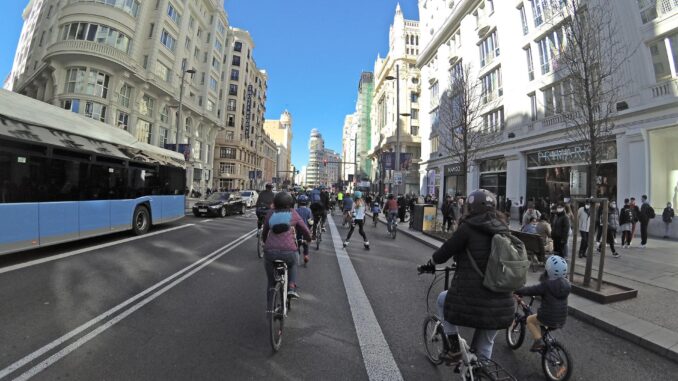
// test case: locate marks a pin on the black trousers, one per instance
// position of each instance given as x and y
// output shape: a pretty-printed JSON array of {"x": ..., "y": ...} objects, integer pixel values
[
  {"x": 361, "y": 231},
  {"x": 626, "y": 237},
  {"x": 584, "y": 243},
  {"x": 643, "y": 232},
  {"x": 447, "y": 223}
]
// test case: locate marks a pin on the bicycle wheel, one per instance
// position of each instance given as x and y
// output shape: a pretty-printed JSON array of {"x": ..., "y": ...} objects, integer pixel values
[
  {"x": 515, "y": 334},
  {"x": 394, "y": 231},
  {"x": 277, "y": 318},
  {"x": 434, "y": 339},
  {"x": 556, "y": 362},
  {"x": 260, "y": 246},
  {"x": 318, "y": 239}
]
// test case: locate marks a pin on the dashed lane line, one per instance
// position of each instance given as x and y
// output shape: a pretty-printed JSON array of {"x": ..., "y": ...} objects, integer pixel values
[
  {"x": 110, "y": 318},
  {"x": 377, "y": 356}
]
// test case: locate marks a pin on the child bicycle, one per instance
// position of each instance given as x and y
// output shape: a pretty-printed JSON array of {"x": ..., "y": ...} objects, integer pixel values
[
  {"x": 471, "y": 367},
  {"x": 555, "y": 361}
]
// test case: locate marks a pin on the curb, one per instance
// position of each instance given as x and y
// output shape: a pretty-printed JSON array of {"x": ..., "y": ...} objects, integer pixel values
[{"x": 665, "y": 344}]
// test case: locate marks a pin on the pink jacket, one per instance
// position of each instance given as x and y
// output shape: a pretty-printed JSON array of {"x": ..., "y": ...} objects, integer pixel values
[{"x": 286, "y": 241}]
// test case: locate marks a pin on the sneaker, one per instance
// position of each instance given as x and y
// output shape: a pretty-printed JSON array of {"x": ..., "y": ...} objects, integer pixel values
[
  {"x": 615, "y": 255},
  {"x": 345, "y": 243},
  {"x": 537, "y": 346},
  {"x": 642, "y": 246},
  {"x": 292, "y": 293},
  {"x": 306, "y": 258},
  {"x": 367, "y": 245}
]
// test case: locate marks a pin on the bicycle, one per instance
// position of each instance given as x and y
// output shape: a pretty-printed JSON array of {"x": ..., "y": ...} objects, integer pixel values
[
  {"x": 375, "y": 219},
  {"x": 392, "y": 225},
  {"x": 471, "y": 366},
  {"x": 260, "y": 243},
  {"x": 280, "y": 304},
  {"x": 300, "y": 243},
  {"x": 553, "y": 355}
]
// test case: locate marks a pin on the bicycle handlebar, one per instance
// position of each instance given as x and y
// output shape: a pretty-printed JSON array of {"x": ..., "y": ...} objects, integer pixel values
[{"x": 431, "y": 269}]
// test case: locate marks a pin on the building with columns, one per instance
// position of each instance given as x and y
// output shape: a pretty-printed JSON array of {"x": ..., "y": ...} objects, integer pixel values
[
  {"x": 534, "y": 157},
  {"x": 396, "y": 71},
  {"x": 281, "y": 132},
  {"x": 124, "y": 63}
]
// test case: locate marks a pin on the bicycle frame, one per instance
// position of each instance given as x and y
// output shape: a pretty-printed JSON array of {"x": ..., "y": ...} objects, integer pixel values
[{"x": 281, "y": 274}]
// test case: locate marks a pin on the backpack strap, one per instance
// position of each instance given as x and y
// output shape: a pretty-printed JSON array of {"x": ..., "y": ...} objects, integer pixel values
[{"x": 474, "y": 264}]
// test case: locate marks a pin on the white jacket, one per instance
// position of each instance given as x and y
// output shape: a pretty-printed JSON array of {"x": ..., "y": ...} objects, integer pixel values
[{"x": 583, "y": 219}]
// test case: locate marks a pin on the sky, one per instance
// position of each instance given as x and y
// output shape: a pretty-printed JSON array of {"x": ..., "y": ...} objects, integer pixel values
[{"x": 313, "y": 51}]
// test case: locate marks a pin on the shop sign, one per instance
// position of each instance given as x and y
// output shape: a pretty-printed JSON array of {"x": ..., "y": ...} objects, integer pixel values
[
  {"x": 398, "y": 177},
  {"x": 570, "y": 155},
  {"x": 453, "y": 170},
  {"x": 493, "y": 165}
]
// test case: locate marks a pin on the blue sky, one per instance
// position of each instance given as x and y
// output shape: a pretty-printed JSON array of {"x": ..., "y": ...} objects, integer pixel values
[{"x": 313, "y": 50}]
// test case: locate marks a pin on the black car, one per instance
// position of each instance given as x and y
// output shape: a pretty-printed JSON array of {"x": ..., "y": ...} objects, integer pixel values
[{"x": 220, "y": 204}]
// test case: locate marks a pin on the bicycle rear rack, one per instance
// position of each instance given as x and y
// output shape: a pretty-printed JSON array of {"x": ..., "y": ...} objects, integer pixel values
[{"x": 493, "y": 370}]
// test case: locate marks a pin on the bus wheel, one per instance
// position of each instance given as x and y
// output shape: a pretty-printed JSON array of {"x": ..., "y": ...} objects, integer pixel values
[{"x": 141, "y": 220}]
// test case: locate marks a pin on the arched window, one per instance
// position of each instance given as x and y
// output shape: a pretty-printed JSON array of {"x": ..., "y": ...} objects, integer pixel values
[
  {"x": 189, "y": 125},
  {"x": 164, "y": 114}
]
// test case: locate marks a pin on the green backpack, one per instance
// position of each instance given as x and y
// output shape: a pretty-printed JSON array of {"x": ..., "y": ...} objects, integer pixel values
[{"x": 507, "y": 265}]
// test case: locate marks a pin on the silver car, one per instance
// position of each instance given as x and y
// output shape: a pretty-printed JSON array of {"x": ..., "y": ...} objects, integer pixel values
[{"x": 249, "y": 197}]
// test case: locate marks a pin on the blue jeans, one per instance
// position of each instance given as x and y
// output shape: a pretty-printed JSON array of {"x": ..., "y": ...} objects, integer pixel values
[
  {"x": 290, "y": 257},
  {"x": 391, "y": 217},
  {"x": 483, "y": 339}
]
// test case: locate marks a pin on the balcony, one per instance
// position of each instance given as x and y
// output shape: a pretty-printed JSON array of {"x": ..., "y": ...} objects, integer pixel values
[
  {"x": 83, "y": 47},
  {"x": 667, "y": 88},
  {"x": 483, "y": 23}
]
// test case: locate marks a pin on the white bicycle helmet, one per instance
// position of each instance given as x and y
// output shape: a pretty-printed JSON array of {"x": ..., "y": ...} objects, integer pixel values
[{"x": 556, "y": 267}]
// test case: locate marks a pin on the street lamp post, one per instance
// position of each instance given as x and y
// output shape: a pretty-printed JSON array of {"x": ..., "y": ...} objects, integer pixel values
[{"x": 181, "y": 102}]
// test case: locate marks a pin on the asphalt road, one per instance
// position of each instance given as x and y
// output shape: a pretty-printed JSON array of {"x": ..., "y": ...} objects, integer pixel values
[{"x": 188, "y": 302}]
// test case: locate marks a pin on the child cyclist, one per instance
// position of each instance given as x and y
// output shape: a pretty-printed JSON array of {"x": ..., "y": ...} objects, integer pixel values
[
  {"x": 375, "y": 212},
  {"x": 306, "y": 215},
  {"x": 554, "y": 289}
]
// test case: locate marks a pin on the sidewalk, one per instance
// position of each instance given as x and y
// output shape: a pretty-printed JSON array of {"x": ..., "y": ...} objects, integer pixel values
[{"x": 648, "y": 320}]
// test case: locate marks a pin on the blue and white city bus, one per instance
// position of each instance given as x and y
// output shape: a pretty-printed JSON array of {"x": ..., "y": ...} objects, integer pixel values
[{"x": 65, "y": 177}]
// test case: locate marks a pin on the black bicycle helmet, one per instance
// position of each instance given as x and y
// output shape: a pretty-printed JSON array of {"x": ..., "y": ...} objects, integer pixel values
[
  {"x": 481, "y": 201},
  {"x": 283, "y": 200}
]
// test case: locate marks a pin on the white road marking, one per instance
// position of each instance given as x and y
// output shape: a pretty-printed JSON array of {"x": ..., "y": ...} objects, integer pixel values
[
  {"x": 377, "y": 356},
  {"x": 85, "y": 250},
  {"x": 206, "y": 220},
  {"x": 186, "y": 272}
]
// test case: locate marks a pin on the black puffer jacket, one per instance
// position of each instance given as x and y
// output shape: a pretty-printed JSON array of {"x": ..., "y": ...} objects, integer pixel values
[
  {"x": 553, "y": 310},
  {"x": 468, "y": 302}
]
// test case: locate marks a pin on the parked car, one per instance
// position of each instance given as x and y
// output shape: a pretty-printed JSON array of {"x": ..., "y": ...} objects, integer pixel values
[
  {"x": 249, "y": 197},
  {"x": 220, "y": 204}
]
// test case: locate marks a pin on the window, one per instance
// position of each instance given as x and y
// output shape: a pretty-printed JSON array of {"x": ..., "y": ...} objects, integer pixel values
[
  {"x": 538, "y": 11},
  {"x": 173, "y": 14},
  {"x": 491, "y": 85},
  {"x": 71, "y": 104},
  {"x": 493, "y": 121},
  {"x": 164, "y": 114},
  {"x": 227, "y": 152},
  {"x": 414, "y": 97},
  {"x": 237, "y": 46},
  {"x": 549, "y": 48},
  {"x": 230, "y": 120},
  {"x": 414, "y": 114},
  {"x": 81, "y": 81},
  {"x": 49, "y": 12},
  {"x": 131, "y": 7},
  {"x": 100, "y": 34},
  {"x": 199, "y": 33},
  {"x": 533, "y": 106},
  {"x": 231, "y": 106},
  {"x": 218, "y": 45},
  {"x": 202, "y": 78},
  {"x": 146, "y": 105},
  {"x": 489, "y": 49},
  {"x": 162, "y": 71},
  {"x": 95, "y": 111},
  {"x": 150, "y": 32},
  {"x": 661, "y": 52},
  {"x": 125, "y": 95},
  {"x": 42, "y": 37},
  {"x": 123, "y": 120},
  {"x": 196, "y": 53},
  {"x": 168, "y": 40},
  {"x": 435, "y": 94},
  {"x": 187, "y": 44},
  {"x": 530, "y": 65},
  {"x": 221, "y": 28},
  {"x": 523, "y": 19},
  {"x": 235, "y": 74},
  {"x": 191, "y": 22},
  {"x": 164, "y": 137},
  {"x": 236, "y": 61},
  {"x": 213, "y": 83},
  {"x": 227, "y": 168},
  {"x": 143, "y": 132},
  {"x": 648, "y": 9},
  {"x": 233, "y": 89}
]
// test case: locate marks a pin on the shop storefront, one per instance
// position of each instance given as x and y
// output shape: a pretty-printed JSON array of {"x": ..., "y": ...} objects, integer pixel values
[
  {"x": 493, "y": 176},
  {"x": 559, "y": 173},
  {"x": 455, "y": 180},
  {"x": 664, "y": 166}
]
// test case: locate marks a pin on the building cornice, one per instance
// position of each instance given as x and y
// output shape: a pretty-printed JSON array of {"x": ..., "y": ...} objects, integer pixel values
[{"x": 445, "y": 32}]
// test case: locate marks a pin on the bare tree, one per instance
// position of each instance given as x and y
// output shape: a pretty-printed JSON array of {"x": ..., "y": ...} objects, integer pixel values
[
  {"x": 461, "y": 127},
  {"x": 589, "y": 60}
]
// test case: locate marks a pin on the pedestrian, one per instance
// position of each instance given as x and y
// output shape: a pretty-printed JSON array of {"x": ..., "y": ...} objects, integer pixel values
[
  {"x": 508, "y": 207},
  {"x": 646, "y": 214},
  {"x": 544, "y": 231},
  {"x": 530, "y": 227},
  {"x": 667, "y": 217},
  {"x": 521, "y": 209},
  {"x": 583, "y": 220},
  {"x": 561, "y": 230},
  {"x": 448, "y": 215},
  {"x": 626, "y": 224},
  {"x": 358, "y": 219},
  {"x": 612, "y": 227},
  {"x": 530, "y": 213},
  {"x": 636, "y": 216}
]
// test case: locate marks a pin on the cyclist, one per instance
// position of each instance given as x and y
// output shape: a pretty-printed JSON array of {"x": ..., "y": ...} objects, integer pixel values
[
  {"x": 468, "y": 303},
  {"x": 391, "y": 211},
  {"x": 375, "y": 212},
  {"x": 318, "y": 210},
  {"x": 347, "y": 208},
  {"x": 554, "y": 288},
  {"x": 264, "y": 204},
  {"x": 325, "y": 198},
  {"x": 358, "y": 219},
  {"x": 306, "y": 215},
  {"x": 280, "y": 241}
]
